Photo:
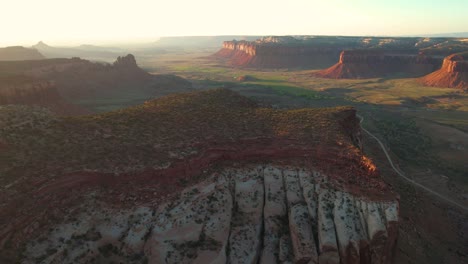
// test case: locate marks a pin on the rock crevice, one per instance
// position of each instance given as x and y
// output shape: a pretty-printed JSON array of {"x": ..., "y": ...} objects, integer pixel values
[{"x": 262, "y": 213}]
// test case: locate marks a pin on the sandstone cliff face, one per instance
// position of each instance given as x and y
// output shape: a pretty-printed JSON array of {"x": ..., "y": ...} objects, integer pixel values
[
  {"x": 383, "y": 55},
  {"x": 22, "y": 90},
  {"x": 263, "y": 213},
  {"x": 277, "y": 55},
  {"x": 18, "y": 53},
  {"x": 357, "y": 64},
  {"x": 39, "y": 92},
  {"x": 452, "y": 74}
]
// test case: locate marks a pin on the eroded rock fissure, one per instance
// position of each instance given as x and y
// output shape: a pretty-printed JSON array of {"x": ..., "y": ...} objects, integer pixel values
[
  {"x": 262, "y": 231},
  {"x": 253, "y": 214}
]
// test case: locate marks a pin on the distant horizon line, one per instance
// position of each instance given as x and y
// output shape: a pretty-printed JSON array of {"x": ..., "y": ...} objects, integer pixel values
[{"x": 147, "y": 40}]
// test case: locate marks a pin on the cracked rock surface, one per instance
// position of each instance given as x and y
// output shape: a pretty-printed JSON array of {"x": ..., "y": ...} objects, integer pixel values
[{"x": 258, "y": 213}]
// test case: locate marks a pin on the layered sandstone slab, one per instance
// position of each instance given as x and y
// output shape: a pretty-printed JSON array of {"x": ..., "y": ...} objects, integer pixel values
[
  {"x": 361, "y": 64},
  {"x": 452, "y": 74},
  {"x": 229, "y": 218}
]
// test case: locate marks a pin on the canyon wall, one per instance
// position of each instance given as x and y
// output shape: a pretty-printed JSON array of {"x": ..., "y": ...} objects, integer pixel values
[
  {"x": 358, "y": 64},
  {"x": 452, "y": 74},
  {"x": 387, "y": 55},
  {"x": 274, "y": 55},
  {"x": 33, "y": 92},
  {"x": 23, "y": 90}
]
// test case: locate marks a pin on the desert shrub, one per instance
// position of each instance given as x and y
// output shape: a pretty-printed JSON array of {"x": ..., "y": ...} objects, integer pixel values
[{"x": 405, "y": 139}]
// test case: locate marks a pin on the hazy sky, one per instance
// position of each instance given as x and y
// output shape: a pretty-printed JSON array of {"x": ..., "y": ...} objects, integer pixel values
[{"x": 25, "y": 22}]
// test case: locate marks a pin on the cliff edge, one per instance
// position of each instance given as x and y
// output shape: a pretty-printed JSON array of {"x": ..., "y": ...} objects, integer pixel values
[
  {"x": 194, "y": 178},
  {"x": 276, "y": 54}
]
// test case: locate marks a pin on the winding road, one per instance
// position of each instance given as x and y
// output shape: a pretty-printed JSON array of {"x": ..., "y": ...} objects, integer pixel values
[{"x": 400, "y": 173}]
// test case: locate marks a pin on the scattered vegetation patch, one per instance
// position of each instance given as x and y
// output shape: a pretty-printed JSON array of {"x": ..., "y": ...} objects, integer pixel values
[
  {"x": 189, "y": 249},
  {"x": 405, "y": 139},
  {"x": 158, "y": 131},
  {"x": 108, "y": 250}
]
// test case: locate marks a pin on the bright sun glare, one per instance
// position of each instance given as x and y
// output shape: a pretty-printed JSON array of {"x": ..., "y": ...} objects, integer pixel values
[{"x": 67, "y": 22}]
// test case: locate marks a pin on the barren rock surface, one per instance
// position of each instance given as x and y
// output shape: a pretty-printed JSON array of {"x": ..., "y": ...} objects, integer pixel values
[{"x": 263, "y": 213}]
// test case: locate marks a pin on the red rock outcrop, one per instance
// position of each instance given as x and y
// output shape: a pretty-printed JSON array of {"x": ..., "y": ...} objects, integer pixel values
[
  {"x": 387, "y": 55},
  {"x": 361, "y": 64},
  {"x": 276, "y": 55},
  {"x": 18, "y": 53},
  {"x": 452, "y": 74},
  {"x": 256, "y": 185}
]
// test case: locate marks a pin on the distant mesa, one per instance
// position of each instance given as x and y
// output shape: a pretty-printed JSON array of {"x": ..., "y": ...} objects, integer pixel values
[
  {"x": 276, "y": 53},
  {"x": 198, "y": 41},
  {"x": 18, "y": 53},
  {"x": 89, "y": 52},
  {"x": 414, "y": 56},
  {"x": 361, "y": 64},
  {"x": 51, "y": 82},
  {"x": 452, "y": 74}
]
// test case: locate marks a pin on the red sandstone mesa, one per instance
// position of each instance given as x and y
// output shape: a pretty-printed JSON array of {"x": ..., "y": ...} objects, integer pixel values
[
  {"x": 273, "y": 55},
  {"x": 361, "y": 64},
  {"x": 452, "y": 74}
]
